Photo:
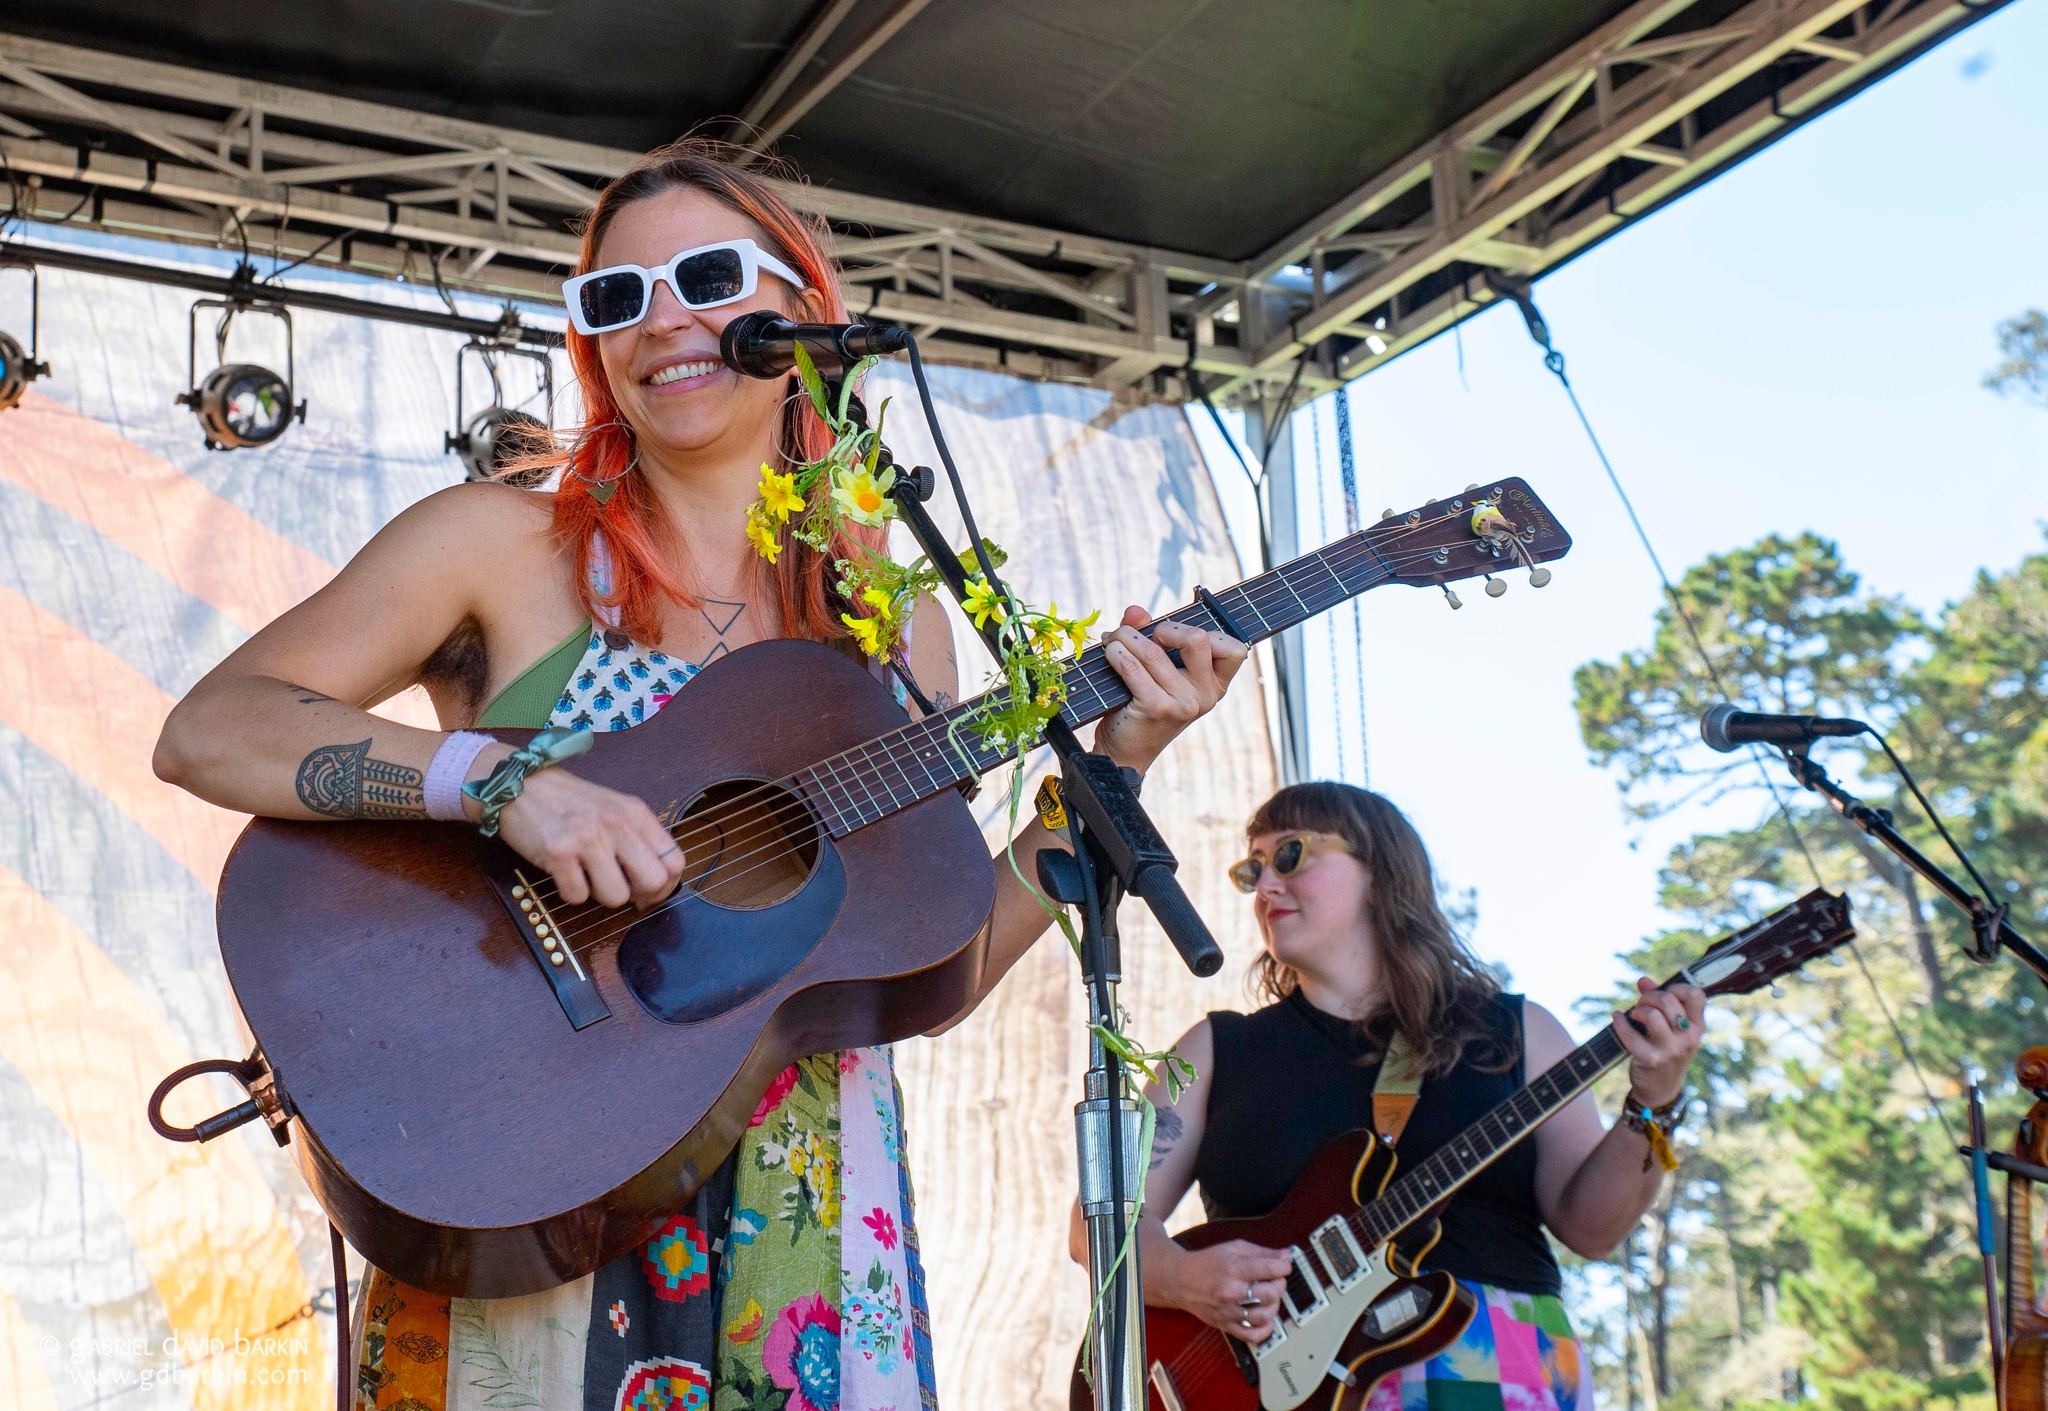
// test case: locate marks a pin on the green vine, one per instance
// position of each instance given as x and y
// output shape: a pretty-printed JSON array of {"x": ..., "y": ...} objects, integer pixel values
[{"x": 815, "y": 502}]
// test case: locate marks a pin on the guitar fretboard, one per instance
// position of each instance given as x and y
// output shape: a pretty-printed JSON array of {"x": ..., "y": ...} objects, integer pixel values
[
  {"x": 1465, "y": 1155},
  {"x": 870, "y": 782}
]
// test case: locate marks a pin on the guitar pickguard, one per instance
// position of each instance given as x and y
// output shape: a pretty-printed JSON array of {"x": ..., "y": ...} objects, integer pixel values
[
  {"x": 696, "y": 960},
  {"x": 1294, "y": 1362}
]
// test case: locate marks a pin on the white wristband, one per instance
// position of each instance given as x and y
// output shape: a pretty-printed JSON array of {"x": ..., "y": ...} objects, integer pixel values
[{"x": 449, "y": 769}]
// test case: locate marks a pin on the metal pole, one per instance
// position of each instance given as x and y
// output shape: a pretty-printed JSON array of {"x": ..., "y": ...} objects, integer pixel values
[{"x": 1108, "y": 1131}]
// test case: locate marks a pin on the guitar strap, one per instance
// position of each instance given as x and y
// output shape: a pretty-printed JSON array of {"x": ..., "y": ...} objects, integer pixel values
[{"x": 1395, "y": 1090}]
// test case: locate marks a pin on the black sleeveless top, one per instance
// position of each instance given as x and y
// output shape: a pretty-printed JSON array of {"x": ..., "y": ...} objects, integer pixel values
[{"x": 1287, "y": 1080}]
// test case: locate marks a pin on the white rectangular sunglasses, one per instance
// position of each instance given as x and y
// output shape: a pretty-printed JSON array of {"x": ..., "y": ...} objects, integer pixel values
[{"x": 702, "y": 278}]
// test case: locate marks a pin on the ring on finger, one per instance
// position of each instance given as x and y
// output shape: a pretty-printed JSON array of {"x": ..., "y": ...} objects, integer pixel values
[
  {"x": 1244, "y": 1322},
  {"x": 1250, "y": 1300},
  {"x": 672, "y": 847}
]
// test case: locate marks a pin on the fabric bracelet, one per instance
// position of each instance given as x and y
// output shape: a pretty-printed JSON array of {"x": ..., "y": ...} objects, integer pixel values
[
  {"x": 449, "y": 769},
  {"x": 508, "y": 778}
]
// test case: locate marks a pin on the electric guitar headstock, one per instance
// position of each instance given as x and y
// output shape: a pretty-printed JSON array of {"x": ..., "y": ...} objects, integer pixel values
[
  {"x": 1490, "y": 528},
  {"x": 1774, "y": 947}
]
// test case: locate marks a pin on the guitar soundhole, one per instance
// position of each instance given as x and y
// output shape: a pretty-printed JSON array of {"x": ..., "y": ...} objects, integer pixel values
[{"x": 747, "y": 844}]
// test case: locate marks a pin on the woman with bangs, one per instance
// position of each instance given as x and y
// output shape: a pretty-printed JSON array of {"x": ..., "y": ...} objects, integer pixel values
[
  {"x": 1360, "y": 967},
  {"x": 792, "y": 1280}
]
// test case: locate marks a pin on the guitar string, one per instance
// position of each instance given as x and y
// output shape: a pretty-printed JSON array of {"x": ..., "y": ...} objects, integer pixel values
[
  {"x": 612, "y": 923},
  {"x": 1094, "y": 675},
  {"x": 785, "y": 803}
]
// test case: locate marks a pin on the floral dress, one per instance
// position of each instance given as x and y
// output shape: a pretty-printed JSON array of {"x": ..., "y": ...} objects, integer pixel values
[{"x": 791, "y": 1282}]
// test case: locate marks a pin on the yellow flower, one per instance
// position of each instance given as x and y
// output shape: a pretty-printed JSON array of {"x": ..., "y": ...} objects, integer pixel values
[
  {"x": 982, "y": 603},
  {"x": 866, "y": 630},
  {"x": 779, "y": 499},
  {"x": 795, "y": 1159},
  {"x": 881, "y": 602},
  {"x": 863, "y": 495},
  {"x": 1077, "y": 630},
  {"x": 763, "y": 536}
]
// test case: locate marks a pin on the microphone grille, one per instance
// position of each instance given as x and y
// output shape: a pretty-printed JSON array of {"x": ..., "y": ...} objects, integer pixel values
[{"x": 1714, "y": 727}]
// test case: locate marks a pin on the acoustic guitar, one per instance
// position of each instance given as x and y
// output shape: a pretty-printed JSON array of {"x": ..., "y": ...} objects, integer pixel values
[
  {"x": 494, "y": 1092},
  {"x": 1358, "y": 1306}
]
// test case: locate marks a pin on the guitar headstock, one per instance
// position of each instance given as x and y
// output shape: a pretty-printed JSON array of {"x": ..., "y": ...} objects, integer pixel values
[
  {"x": 1489, "y": 529},
  {"x": 1779, "y": 944}
]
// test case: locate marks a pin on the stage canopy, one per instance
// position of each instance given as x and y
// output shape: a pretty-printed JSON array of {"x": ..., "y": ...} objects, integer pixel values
[{"x": 1065, "y": 188}]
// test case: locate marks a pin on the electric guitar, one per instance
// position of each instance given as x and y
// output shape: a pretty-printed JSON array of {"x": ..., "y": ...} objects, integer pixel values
[
  {"x": 495, "y": 1092},
  {"x": 1358, "y": 1305}
]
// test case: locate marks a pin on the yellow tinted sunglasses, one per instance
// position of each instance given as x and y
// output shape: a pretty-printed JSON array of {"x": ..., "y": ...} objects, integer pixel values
[{"x": 1290, "y": 855}]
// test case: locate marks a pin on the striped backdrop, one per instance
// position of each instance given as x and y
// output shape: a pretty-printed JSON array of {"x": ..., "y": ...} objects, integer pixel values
[{"x": 142, "y": 1274}]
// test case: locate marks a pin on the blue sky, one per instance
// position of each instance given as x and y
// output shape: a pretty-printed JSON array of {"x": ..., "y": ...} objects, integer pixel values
[{"x": 1796, "y": 346}]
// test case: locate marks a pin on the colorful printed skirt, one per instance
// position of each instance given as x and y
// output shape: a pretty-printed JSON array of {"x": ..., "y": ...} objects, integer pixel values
[
  {"x": 758, "y": 1297},
  {"x": 1518, "y": 1354}
]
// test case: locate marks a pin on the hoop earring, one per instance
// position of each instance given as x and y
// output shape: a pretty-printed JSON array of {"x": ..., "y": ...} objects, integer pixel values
[{"x": 601, "y": 490}]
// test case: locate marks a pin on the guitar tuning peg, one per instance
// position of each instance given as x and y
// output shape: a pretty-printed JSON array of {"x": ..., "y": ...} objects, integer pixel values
[
  {"x": 1451, "y": 597},
  {"x": 1777, "y": 990},
  {"x": 1539, "y": 577},
  {"x": 1494, "y": 587},
  {"x": 1470, "y": 488},
  {"x": 1837, "y": 959},
  {"x": 1386, "y": 514}
]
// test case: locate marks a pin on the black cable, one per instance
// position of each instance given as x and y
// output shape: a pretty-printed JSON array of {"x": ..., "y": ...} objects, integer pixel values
[
  {"x": 315, "y": 253},
  {"x": 931, "y": 416},
  {"x": 1539, "y": 331},
  {"x": 1935, "y": 818}
]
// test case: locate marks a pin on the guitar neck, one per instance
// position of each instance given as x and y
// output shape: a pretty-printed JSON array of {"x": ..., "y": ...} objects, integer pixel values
[
  {"x": 1485, "y": 1141},
  {"x": 928, "y": 756}
]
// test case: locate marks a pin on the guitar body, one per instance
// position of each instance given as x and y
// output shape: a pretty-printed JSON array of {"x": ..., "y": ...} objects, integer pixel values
[
  {"x": 1194, "y": 1367},
  {"x": 482, "y": 1120}
]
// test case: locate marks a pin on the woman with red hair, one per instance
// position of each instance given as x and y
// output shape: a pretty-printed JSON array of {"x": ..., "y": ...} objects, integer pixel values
[{"x": 792, "y": 1279}]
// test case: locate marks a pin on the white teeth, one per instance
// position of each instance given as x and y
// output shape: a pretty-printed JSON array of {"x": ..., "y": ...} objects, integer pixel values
[{"x": 678, "y": 371}]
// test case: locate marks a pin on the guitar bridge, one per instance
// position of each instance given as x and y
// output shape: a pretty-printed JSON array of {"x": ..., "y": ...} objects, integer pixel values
[{"x": 551, "y": 951}]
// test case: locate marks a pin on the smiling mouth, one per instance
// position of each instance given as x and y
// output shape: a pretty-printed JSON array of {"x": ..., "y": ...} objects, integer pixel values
[{"x": 682, "y": 372}]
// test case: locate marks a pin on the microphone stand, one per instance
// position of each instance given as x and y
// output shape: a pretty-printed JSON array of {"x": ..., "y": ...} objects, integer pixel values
[
  {"x": 1117, "y": 852},
  {"x": 1988, "y": 921}
]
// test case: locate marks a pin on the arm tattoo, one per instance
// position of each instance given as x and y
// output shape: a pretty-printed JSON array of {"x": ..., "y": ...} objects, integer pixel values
[
  {"x": 307, "y": 695},
  {"x": 342, "y": 781},
  {"x": 1164, "y": 1135},
  {"x": 942, "y": 701}
]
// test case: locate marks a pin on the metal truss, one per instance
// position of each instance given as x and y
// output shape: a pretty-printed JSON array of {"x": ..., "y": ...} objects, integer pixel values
[{"x": 1663, "y": 96}]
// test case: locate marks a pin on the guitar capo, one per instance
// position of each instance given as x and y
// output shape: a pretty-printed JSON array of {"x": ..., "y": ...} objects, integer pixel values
[{"x": 1222, "y": 615}]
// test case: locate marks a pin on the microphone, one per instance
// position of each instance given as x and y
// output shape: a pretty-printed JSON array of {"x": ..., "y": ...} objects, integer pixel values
[
  {"x": 1725, "y": 728},
  {"x": 763, "y": 344}
]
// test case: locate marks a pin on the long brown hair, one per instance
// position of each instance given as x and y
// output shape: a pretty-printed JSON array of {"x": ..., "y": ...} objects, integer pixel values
[
  {"x": 1432, "y": 989},
  {"x": 638, "y": 538}
]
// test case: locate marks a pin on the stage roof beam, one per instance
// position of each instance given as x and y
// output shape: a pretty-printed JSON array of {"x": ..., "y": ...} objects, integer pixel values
[
  {"x": 809, "y": 95},
  {"x": 1660, "y": 98}
]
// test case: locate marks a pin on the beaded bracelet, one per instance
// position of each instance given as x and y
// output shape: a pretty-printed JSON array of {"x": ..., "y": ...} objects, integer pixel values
[
  {"x": 1657, "y": 1124},
  {"x": 506, "y": 782}
]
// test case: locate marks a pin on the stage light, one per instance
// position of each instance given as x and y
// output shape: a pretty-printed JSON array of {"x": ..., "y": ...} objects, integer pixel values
[
  {"x": 19, "y": 366},
  {"x": 239, "y": 405},
  {"x": 493, "y": 438}
]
